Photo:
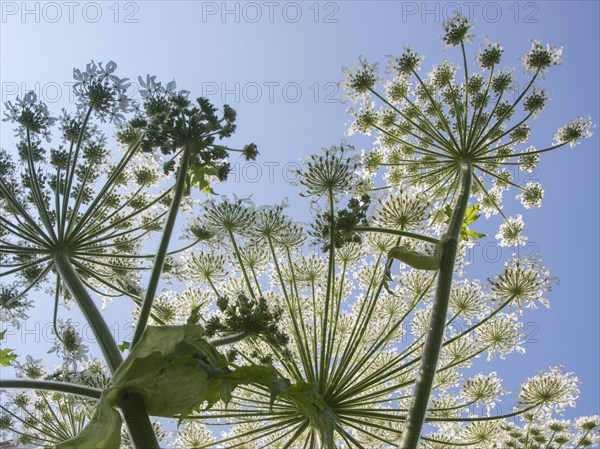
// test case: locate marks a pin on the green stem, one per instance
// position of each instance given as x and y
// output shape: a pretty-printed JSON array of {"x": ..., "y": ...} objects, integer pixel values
[
  {"x": 229, "y": 339},
  {"x": 93, "y": 316},
  {"x": 411, "y": 235},
  {"x": 63, "y": 387},
  {"x": 36, "y": 191},
  {"x": 587, "y": 432},
  {"x": 134, "y": 410},
  {"x": 70, "y": 171},
  {"x": 238, "y": 255},
  {"x": 466, "y": 109},
  {"x": 433, "y": 343},
  {"x": 481, "y": 139},
  {"x": 439, "y": 113},
  {"x": 484, "y": 418},
  {"x": 164, "y": 245},
  {"x": 329, "y": 292},
  {"x": 431, "y": 131},
  {"x": 138, "y": 422},
  {"x": 98, "y": 204}
]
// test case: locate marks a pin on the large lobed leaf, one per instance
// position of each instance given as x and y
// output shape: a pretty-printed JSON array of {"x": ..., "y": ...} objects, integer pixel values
[{"x": 175, "y": 369}]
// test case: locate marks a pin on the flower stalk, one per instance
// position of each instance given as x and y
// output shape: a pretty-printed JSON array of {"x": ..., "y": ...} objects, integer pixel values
[
  {"x": 134, "y": 410},
  {"x": 90, "y": 311},
  {"x": 49, "y": 385},
  {"x": 437, "y": 322},
  {"x": 161, "y": 254}
]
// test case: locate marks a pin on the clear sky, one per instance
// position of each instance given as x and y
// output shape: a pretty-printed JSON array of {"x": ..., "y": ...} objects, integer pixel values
[{"x": 277, "y": 63}]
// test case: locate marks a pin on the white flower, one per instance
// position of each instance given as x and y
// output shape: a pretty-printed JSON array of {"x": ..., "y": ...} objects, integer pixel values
[
  {"x": 539, "y": 58},
  {"x": 30, "y": 115},
  {"x": 588, "y": 422},
  {"x": 467, "y": 299},
  {"x": 443, "y": 74},
  {"x": 365, "y": 118},
  {"x": 100, "y": 89},
  {"x": 502, "y": 334},
  {"x": 398, "y": 88},
  {"x": 528, "y": 162},
  {"x": 457, "y": 30},
  {"x": 69, "y": 345},
  {"x": 406, "y": 64},
  {"x": 573, "y": 132},
  {"x": 193, "y": 434},
  {"x": 490, "y": 201},
  {"x": 555, "y": 390},
  {"x": 532, "y": 195},
  {"x": 523, "y": 281},
  {"x": 13, "y": 306},
  {"x": 510, "y": 232},
  {"x": 358, "y": 81},
  {"x": 490, "y": 55},
  {"x": 483, "y": 389},
  {"x": 335, "y": 171},
  {"x": 31, "y": 369}
]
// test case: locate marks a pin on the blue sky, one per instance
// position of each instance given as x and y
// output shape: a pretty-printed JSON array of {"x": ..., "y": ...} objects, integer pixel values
[{"x": 277, "y": 63}]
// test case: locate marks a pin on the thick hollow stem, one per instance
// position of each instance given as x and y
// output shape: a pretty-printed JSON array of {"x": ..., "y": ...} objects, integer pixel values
[
  {"x": 93, "y": 316},
  {"x": 161, "y": 254},
  {"x": 134, "y": 410},
  {"x": 138, "y": 422},
  {"x": 435, "y": 334}
]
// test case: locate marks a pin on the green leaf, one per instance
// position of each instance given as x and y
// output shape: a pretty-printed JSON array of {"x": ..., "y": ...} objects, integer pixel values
[
  {"x": 265, "y": 375},
  {"x": 416, "y": 259},
  {"x": 7, "y": 356},
  {"x": 198, "y": 178},
  {"x": 102, "y": 432},
  {"x": 194, "y": 315},
  {"x": 471, "y": 215},
  {"x": 175, "y": 369},
  {"x": 448, "y": 212},
  {"x": 124, "y": 346},
  {"x": 167, "y": 365},
  {"x": 471, "y": 234},
  {"x": 225, "y": 391}
]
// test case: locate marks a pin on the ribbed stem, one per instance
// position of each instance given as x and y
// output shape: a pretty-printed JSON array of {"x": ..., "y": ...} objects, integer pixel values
[
  {"x": 161, "y": 254},
  {"x": 93, "y": 316},
  {"x": 138, "y": 422},
  {"x": 435, "y": 334},
  {"x": 134, "y": 410}
]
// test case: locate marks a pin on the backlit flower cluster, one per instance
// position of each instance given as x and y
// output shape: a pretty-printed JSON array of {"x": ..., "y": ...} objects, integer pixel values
[{"x": 427, "y": 125}]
